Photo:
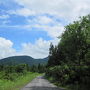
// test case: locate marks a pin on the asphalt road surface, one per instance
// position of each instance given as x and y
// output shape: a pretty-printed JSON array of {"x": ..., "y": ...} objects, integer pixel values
[{"x": 40, "y": 83}]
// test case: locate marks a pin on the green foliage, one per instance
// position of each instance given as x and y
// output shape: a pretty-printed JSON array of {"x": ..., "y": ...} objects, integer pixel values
[
  {"x": 12, "y": 72},
  {"x": 69, "y": 61},
  {"x": 12, "y": 77},
  {"x": 40, "y": 68},
  {"x": 19, "y": 82}
]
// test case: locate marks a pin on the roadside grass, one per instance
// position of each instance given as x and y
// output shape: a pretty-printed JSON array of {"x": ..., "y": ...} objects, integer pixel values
[{"x": 20, "y": 82}]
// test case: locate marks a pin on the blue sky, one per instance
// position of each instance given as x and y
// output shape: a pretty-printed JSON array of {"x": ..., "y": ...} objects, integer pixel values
[
  {"x": 27, "y": 27},
  {"x": 18, "y": 36}
]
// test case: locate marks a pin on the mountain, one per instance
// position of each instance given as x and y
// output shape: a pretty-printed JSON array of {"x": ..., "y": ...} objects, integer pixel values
[{"x": 14, "y": 60}]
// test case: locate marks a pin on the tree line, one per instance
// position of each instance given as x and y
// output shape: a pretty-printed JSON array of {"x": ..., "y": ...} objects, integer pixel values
[
  {"x": 69, "y": 61},
  {"x": 12, "y": 72}
]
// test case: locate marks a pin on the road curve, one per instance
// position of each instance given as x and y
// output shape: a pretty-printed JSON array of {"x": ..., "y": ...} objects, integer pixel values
[{"x": 40, "y": 83}]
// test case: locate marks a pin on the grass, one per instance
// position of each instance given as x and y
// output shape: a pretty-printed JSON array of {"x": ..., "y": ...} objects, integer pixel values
[{"x": 20, "y": 82}]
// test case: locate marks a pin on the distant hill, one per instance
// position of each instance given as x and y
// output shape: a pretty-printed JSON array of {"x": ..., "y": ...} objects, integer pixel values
[{"x": 15, "y": 60}]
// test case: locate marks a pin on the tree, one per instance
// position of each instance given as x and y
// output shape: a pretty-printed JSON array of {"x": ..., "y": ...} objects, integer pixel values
[
  {"x": 53, "y": 59},
  {"x": 69, "y": 61}
]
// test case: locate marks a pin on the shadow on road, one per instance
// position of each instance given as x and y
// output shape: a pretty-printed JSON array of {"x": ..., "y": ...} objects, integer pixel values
[{"x": 43, "y": 88}]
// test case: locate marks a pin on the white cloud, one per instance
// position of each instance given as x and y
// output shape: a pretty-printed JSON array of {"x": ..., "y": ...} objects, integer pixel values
[
  {"x": 39, "y": 49},
  {"x": 45, "y": 23},
  {"x": 4, "y": 16},
  {"x": 22, "y": 12},
  {"x": 44, "y": 20},
  {"x": 52, "y": 31},
  {"x": 6, "y": 48},
  {"x": 68, "y": 9},
  {"x": 5, "y": 22}
]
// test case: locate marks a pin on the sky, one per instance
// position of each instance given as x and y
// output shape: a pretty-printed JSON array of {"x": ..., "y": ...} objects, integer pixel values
[{"x": 27, "y": 27}]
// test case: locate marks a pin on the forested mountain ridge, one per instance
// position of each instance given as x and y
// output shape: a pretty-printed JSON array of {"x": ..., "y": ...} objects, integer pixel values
[{"x": 15, "y": 60}]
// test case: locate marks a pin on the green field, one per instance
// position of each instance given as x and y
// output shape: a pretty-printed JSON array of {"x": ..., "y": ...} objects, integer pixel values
[{"x": 19, "y": 83}]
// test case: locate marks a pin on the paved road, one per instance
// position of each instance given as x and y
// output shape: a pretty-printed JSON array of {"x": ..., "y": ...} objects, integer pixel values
[{"x": 40, "y": 83}]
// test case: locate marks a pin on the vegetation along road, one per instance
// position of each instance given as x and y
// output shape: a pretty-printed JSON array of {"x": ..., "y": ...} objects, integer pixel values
[{"x": 40, "y": 83}]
